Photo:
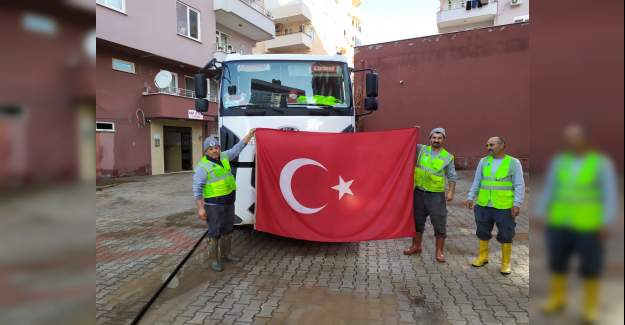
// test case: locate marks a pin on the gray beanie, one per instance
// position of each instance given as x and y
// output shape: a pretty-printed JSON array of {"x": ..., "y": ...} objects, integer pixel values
[
  {"x": 209, "y": 143},
  {"x": 439, "y": 130}
]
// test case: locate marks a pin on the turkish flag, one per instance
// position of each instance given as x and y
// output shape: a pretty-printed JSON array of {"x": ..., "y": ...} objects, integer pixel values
[{"x": 335, "y": 187}]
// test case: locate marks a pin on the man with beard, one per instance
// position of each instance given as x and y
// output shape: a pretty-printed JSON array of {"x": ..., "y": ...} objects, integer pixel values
[
  {"x": 434, "y": 165},
  {"x": 499, "y": 189}
]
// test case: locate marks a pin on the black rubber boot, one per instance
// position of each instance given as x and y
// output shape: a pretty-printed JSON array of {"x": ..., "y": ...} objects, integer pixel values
[
  {"x": 213, "y": 255},
  {"x": 225, "y": 248}
]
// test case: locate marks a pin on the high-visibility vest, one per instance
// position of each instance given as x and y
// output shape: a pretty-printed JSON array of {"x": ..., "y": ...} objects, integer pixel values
[
  {"x": 577, "y": 201},
  {"x": 429, "y": 174},
  {"x": 496, "y": 188},
  {"x": 219, "y": 179}
]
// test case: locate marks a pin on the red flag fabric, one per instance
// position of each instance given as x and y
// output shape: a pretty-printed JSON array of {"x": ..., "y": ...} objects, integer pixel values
[{"x": 335, "y": 187}]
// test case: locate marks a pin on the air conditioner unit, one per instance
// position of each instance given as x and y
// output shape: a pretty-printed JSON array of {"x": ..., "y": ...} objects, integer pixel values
[
  {"x": 515, "y": 2},
  {"x": 522, "y": 19}
]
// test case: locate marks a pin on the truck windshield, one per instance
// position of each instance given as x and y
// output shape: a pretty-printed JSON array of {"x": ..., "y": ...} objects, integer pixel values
[{"x": 285, "y": 84}]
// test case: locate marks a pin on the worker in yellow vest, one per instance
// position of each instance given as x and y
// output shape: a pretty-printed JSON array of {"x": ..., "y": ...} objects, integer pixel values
[
  {"x": 214, "y": 190},
  {"x": 434, "y": 168},
  {"x": 498, "y": 189},
  {"x": 579, "y": 204}
]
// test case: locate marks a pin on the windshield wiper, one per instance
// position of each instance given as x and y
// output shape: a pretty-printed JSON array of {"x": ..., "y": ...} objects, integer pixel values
[
  {"x": 257, "y": 106},
  {"x": 250, "y": 105},
  {"x": 338, "y": 110},
  {"x": 251, "y": 109}
]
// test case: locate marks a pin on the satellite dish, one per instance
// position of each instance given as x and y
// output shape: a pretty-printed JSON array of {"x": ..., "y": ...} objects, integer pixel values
[{"x": 163, "y": 79}]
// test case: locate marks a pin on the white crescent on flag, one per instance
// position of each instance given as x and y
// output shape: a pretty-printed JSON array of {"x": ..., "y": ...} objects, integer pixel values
[{"x": 286, "y": 176}]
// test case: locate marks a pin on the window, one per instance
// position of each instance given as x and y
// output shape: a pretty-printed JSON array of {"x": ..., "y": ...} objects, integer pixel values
[
  {"x": 11, "y": 111},
  {"x": 223, "y": 42},
  {"x": 117, "y": 5},
  {"x": 298, "y": 84},
  {"x": 189, "y": 83},
  {"x": 307, "y": 29},
  {"x": 188, "y": 21},
  {"x": 123, "y": 66},
  {"x": 173, "y": 86},
  {"x": 213, "y": 91},
  {"x": 104, "y": 127},
  {"x": 39, "y": 24}
]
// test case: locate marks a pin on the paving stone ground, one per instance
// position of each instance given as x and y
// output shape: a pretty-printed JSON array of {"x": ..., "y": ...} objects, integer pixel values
[{"x": 144, "y": 228}]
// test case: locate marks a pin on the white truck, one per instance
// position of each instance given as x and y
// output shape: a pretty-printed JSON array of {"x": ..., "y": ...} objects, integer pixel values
[{"x": 295, "y": 92}]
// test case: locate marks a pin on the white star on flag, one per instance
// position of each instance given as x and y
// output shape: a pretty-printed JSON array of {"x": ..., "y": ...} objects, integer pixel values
[{"x": 343, "y": 187}]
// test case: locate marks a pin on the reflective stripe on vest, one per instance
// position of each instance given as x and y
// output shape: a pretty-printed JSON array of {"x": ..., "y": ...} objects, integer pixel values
[
  {"x": 219, "y": 179},
  {"x": 497, "y": 189},
  {"x": 429, "y": 174},
  {"x": 576, "y": 202}
]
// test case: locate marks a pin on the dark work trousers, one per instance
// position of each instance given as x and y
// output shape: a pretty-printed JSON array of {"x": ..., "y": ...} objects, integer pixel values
[
  {"x": 563, "y": 243},
  {"x": 220, "y": 219},
  {"x": 431, "y": 204},
  {"x": 486, "y": 218}
]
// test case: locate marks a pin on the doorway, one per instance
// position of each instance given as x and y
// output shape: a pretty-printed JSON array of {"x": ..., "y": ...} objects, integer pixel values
[{"x": 178, "y": 150}]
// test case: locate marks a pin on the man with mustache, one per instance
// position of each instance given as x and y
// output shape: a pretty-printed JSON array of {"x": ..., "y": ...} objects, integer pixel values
[
  {"x": 214, "y": 191},
  {"x": 499, "y": 189},
  {"x": 434, "y": 166}
]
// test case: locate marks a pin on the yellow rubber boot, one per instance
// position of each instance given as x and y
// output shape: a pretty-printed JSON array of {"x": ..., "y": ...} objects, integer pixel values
[
  {"x": 482, "y": 258},
  {"x": 591, "y": 301},
  {"x": 506, "y": 254},
  {"x": 557, "y": 295}
]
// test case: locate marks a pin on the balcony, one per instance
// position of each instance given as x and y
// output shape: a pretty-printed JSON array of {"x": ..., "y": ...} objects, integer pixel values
[
  {"x": 454, "y": 14},
  {"x": 298, "y": 12},
  {"x": 246, "y": 17},
  {"x": 290, "y": 42},
  {"x": 173, "y": 103}
]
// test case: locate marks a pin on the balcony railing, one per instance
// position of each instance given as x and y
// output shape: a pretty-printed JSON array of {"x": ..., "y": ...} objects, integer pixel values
[
  {"x": 459, "y": 4},
  {"x": 258, "y": 7},
  {"x": 459, "y": 16},
  {"x": 308, "y": 33}
]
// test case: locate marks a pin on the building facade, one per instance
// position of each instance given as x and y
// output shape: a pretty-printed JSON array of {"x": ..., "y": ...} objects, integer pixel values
[
  {"x": 47, "y": 106},
  {"x": 456, "y": 81},
  {"x": 324, "y": 27},
  {"x": 459, "y": 15},
  {"x": 144, "y": 129}
]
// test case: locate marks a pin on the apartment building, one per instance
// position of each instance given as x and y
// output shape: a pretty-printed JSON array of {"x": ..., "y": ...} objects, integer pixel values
[
  {"x": 47, "y": 105},
  {"x": 458, "y": 15},
  {"x": 314, "y": 27},
  {"x": 144, "y": 129}
]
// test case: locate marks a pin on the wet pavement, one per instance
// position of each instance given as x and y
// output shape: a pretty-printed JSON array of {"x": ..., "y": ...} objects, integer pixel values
[
  {"x": 146, "y": 227},
  {"x": 46, "y": 255}
]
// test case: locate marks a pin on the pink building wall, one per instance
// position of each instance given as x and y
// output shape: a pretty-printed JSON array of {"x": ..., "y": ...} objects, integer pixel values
[
  {"x": 150, "y": 26},
  {"x": 475, "y": 84}
]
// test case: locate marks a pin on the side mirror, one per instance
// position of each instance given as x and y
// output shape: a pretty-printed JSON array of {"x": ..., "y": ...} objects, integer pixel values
[
  {"x": 201, "y": 86},
  {"x": 371, "y": 84},
  {"x": 201, "y": 105},
  {"x": 371, "y": 104}
]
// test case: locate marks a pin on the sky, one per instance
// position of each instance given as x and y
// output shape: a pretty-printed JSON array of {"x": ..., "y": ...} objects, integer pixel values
[{"x": 391, "y": 20}]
